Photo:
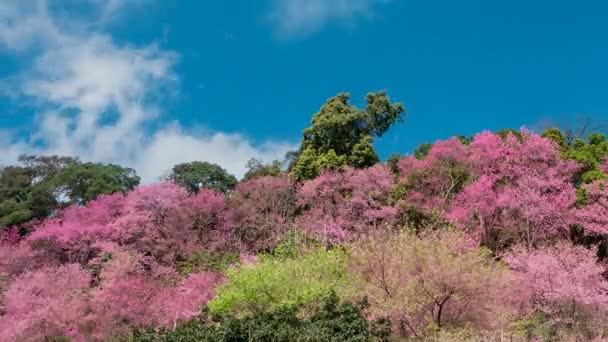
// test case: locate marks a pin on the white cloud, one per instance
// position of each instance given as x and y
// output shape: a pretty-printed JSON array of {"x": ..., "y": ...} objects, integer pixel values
[
  {"x": 97, "y": 99},
  {"x": 296, "y": 18}
]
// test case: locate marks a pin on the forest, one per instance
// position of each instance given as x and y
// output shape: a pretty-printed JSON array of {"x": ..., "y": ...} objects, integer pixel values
[{"x": 500, "y": 236}]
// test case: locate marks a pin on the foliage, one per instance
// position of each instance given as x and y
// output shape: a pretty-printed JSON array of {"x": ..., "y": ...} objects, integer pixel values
[
  {"x": 83, "y": 182},
  {"x": 392, "y": 162},
  {"x": 342, "y": 205},
  {"x": 274, "y": 283},
  {"x": 436, "y": 279},
  {"x": 589, "y": 153},
  {"x": 422, "y": 150},
  {"x": 567, "y": 290},
  {"x": 593, "y": 215},
  {"x": 196, "y": 175},
  {"x": 342, "y": 134},
  {"x": 431, "y": 182},
  {"x": 331, "y": 320},
  {"x": 47, "y": 303},
  {"x": 469, "y": 239},
  {"x": 45, "y": 184},
  {"x": 159, "y": 220},
  {"x": 263, "y": 209},
  {"x": 257, "y": 168},
  {"x": 523, "y": 191},
  {"x": 208, "y": 261}
]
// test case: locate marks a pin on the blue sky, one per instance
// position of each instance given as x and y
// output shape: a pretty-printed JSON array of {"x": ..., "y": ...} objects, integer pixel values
[{"x": 152, "y": 83}]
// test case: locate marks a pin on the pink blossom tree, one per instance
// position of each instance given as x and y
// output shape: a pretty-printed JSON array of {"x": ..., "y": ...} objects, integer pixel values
[
  {"x": 430, "y": 183},
  {"x": 523, "y": 191},
  {"x": 341, "y": 205},
  {"x": 136, "y": 292},
  {"x": 172, "y": 305},
  {"x": 593, "y": 215},
  {"x": 262, "y": 211},
  {"x": 565, "y": 282},
  {"x": 47, "y": 303}
]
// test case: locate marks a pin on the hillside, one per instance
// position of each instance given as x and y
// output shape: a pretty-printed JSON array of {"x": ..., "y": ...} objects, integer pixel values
[{"x": 500, "y": 236}]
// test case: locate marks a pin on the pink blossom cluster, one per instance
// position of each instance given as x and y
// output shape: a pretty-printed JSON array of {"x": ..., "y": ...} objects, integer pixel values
[{"x": 98, "y": 271}]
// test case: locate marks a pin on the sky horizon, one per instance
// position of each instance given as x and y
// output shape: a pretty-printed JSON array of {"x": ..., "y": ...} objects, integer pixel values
[{"x": 149, "y": 84}]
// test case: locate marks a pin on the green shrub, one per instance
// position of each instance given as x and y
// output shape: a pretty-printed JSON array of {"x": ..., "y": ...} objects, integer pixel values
[
  {"x": 274, "y": 283},
  {"x": 330, "y": 320}
]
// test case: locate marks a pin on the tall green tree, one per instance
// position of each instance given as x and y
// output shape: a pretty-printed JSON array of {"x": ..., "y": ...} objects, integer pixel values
[
  {"x": 342, "y": 134},
  {"x": 196, "y": 175}
]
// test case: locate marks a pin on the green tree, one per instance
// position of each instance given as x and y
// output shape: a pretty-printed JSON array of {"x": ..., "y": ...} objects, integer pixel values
[
  {"x": 304, "y": 166},
  {"x": 590, "y": 153},
  {"x": 363, "y": 154},
  {"x": 84, "y": 182},
  {"x": 196, "y": 175},
  {"x": 505, "y": 132},
  {"x": 25, "y": 193},
  {"x": 257, "y": 168},
  {"x": 422, "y": 150},
  {"x": 13, "y": 212},
  {"x": 345, "y": 131},
  {"x": 41, "y": 185},
  {"x": 393, "y": 162},
  {"x": 46, "y": 166}
]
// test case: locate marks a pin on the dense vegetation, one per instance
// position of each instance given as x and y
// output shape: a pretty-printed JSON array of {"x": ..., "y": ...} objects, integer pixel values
[{"x": 499, "y": 236}]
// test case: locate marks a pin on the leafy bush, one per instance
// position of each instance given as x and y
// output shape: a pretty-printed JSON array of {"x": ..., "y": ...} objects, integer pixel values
[
  {"x": 330, "y": 320},
  {"x": 275, "y": 283}
]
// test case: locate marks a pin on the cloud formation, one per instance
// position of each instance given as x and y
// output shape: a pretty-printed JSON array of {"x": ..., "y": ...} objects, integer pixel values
[
  {"x": 296, "y": 18},
  {"x": 99, "y": 100}
]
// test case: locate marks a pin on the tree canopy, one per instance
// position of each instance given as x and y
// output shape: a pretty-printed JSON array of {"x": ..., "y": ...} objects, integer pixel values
[
  {"x": 342, "y": 134},
  {"x": 43, "y": 184},
  {"x": 257, "y": 168},
  {"x": 197, "y": 175}
]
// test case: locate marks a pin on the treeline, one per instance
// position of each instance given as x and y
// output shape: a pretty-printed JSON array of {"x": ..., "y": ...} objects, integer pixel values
[{"x": 498, "y": 236}]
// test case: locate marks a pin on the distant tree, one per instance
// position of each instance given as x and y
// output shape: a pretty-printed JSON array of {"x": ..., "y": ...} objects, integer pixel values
[
  {"x": 393, "y": 161},
  {"x": 14, "y": 182},
  {"x": 589, "y": 151},
  {"x": 46, "y": 166},
  {"x": 24, "y": 194},
  {"x": 464, "y": 139},
  {"x": 257, "y": 168},
  {"x": 504, "y": 133},
  {"x": 342, "y": 134},
  {"x": 556, "y": 135},
  {"x": 197, "y": 175},
  {"x": 83, "y": 182},
  {"x": 572, "y": 127},
  {"x": 422, "y": 150},
  {"x": 45, "y": 184}
]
